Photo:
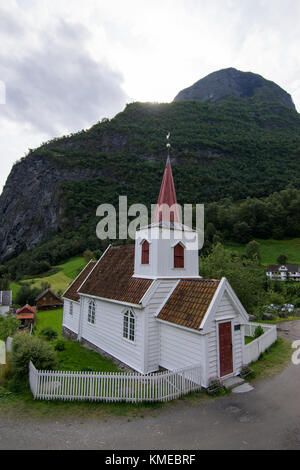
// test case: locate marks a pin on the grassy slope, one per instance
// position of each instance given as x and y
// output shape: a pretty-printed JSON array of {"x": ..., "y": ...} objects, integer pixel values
[
  {"x": 271, "y": 249},
  {"x": 60, "y": 280}
]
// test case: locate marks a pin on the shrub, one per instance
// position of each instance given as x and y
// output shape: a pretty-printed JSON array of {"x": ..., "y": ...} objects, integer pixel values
[
  {"x": 8, "y": 325},
  {"x": 49, "y": 333},
  {"x": 60, "y": 345},
  {"x": 258, "y": 332},
  {"x": 27, "y": 348}
]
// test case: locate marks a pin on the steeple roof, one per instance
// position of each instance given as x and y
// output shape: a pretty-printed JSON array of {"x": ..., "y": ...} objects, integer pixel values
[{"x": 167, "y": 209}]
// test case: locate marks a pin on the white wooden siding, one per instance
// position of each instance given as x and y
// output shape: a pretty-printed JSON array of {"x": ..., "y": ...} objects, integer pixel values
[
  {"x": 212, "y": 355},
  {"x": 107, "y": 332},
  {"x": 225, "y": 312},
  {"x": 180, "y": 348},
  {"x": 152, "y": 352},
  {"x": 71, "y": 321}
]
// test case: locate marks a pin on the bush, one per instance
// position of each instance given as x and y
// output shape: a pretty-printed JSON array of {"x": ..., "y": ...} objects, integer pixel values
[
  {"x": 60, "y": 345},
  {"x": 258, "y": 332},
  {"x": 27, "y": 348},
  {"x": 49, "y": 333},
  {"x": 8, "y": 325}
]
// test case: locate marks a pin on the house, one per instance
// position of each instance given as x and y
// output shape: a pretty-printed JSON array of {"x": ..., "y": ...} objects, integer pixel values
[
  {"x": 146, "y": 305},
  {"x": 279, "y": 272},
  {"x": 26, "y": 314},
  {"x": 5, "y": 301},
  {"x": 47, "y": 300}
]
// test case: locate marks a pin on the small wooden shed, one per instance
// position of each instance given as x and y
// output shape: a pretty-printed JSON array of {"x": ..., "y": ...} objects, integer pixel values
[{"x": 47, "y": 300}]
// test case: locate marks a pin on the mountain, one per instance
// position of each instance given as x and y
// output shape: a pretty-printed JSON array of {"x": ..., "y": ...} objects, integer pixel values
[
  {"x": 234, "y": 83},
  {"x": 232, "y": 148}
]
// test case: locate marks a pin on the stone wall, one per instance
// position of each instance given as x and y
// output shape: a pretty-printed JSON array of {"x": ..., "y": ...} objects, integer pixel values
[{"x": 68, "y": 334}]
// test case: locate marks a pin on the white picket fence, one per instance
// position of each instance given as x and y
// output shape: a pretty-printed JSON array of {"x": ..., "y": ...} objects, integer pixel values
[
  {"x": 254, "y": 349},
  {"x": 114, "y": 386}
]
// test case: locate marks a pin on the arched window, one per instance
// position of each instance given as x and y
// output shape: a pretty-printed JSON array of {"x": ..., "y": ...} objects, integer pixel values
[
  {"x": 145, "y": 252},
  {"x": 92, "y": 312},
  {"x": 71, "y": 308},
  {"x": 178, "y": 256},
  {"x": 129, "y": 325}
]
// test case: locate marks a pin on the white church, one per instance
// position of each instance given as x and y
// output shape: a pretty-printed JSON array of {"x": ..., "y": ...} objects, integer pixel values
[{"x": 147, "y": 306}]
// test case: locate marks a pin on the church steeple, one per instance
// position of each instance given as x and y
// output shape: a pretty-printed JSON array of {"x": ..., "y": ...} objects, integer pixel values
[{"x": 167, "y": 208}]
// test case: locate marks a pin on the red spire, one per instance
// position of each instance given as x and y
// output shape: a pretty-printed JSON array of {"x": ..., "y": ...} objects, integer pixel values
[{"x": 167, "y": 197}]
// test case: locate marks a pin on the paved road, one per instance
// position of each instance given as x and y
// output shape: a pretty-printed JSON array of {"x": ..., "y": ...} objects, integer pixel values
[{"x": 266, "y": 418}]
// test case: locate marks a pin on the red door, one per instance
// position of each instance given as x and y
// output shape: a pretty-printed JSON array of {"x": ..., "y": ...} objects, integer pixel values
[{"x": 225, "y": 349}]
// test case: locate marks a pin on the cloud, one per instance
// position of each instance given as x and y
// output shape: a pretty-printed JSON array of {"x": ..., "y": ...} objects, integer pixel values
[{"x": 58, "y": 86}]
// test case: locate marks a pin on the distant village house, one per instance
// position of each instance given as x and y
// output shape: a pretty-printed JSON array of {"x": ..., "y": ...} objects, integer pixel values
[
  {"x": 47, "y": 300},
  {"x": 278, "y": 272},
  {"x": 26, "y": 315}
]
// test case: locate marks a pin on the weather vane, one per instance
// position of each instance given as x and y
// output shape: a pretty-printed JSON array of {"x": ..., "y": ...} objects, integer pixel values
[{"x": 168, "y": 143}]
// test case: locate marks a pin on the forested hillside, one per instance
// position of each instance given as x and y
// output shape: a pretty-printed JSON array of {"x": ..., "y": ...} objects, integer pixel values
[{"x": 230, "y": 149}]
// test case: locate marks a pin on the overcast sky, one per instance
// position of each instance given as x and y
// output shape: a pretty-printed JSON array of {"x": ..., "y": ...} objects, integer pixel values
[{"x": 66, "y": 64}]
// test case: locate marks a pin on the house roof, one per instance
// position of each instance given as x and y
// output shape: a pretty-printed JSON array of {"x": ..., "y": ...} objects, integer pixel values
[
  {"x": 45, "y": 292},
  {"x": 292, "y": 268},
  {"x": 25, "y": 316},
  {"x": 189, "y": 302},
  {"x": 112, "y": 277},
  {"x": 30, "y": 310},
  {"x": 71, "y": 292}
]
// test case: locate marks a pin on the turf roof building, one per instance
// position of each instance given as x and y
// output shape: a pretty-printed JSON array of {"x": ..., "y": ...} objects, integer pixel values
[{"x": 146, "y": 305}]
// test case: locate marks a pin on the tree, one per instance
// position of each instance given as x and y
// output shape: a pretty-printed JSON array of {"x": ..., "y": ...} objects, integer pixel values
[
  {"x": 282, "y": 259},
  {"x": 8, "y": 325},
  {"x": 253, "y": 251},
  {"x": 88, "y": 255},
  {"x": 27, "y": 295},
  {"x": 241, "y": 232},
  {"x": 246, "y": 278}
]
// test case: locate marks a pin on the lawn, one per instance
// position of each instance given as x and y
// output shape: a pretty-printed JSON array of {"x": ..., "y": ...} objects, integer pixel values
[
  {"x": 52, "y": 318},
  {"x": 273, "y": 360},
  {"x": 77, "y": 358},
  {"x": 271, "y": 249},
  {"x": 74, "y": 357}
]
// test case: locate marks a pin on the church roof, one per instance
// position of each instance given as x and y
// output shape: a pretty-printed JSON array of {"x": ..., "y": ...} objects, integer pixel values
[
  {"x": 71, "y": 292},
  {"x": 189, "y": 302},
  {"x": 112, "y": 277},
  {"x": 167, "y": 197}
]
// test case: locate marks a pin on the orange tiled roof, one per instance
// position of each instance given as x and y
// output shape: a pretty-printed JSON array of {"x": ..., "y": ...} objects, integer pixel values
[
  {"x": 24, "y": 316},
  {"x": 112, "y": 277},
  {"x": 26, "y": 309},
  {"x": 189, "y": 302},
  {"x": 71, "y": 292}
]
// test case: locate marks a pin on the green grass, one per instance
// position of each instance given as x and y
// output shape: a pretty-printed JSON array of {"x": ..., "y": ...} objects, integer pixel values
[
  {"x": 51, "y": 318},
  {"x": 73, "y": 266},
  {"x": 272, "y": 361},
  {"x": 248, "y": 339},
  {"x": 77, "y": 358},
  {"x": 271, "y": 249}
]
